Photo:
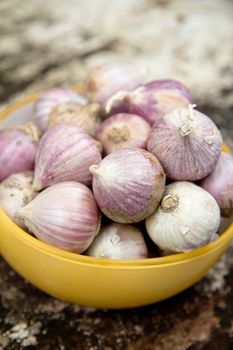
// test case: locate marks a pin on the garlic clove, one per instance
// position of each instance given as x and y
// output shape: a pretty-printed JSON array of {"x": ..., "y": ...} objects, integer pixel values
[
  {"x": 118, "y": 241},
  {"x": 105, "y": 80},
  {"x": 188, "y": 217},
  {"x": 65, "y": 153},
  {"x": 72, "y": 113},
  {"x": 18, "y": 147},
  {"x": 152, "y": 100},
  {"x": 123, "y": 130},
  {"x": 64, "y": 215},
  {"x": 15, "y": 192},
  {"x": 220, "y": 183},
  {"x": 187, "y": 143},
  {"x": 49, "y": 100},
  {"x": 128, "y": 184}
]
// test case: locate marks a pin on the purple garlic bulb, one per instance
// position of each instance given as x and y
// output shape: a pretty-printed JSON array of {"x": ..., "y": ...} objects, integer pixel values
[
  {"x": 128, "y": 184},
  {"x": 187, "y": 143},
  {"x": 18, "y": 149},
  {"x": 64, "y": 215},
  {"x": 65, "y": 153},
  {"x": 152, "y": 100},
  {"x": 105, "y": 80},
  {"x": 220, "y": 183},
  {"x": 50, "y": 99},
  {"x": 123, "y": 130}
]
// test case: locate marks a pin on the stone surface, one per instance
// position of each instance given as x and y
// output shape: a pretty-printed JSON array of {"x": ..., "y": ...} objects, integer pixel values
[{"x": 46, "y": 43}]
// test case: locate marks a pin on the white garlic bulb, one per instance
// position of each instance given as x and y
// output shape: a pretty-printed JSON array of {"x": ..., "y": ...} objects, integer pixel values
[
  {"x": 187, "y": 218},
  {"x": 118, "y": 241},
  {"x": 16, "y": 192}
]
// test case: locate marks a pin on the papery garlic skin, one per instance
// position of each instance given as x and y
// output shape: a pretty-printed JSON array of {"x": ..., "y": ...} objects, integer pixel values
[
  {"x": 220, "y": 183},
  {"x": 187, "y": 218},
  {"x": 105, "y": 80},
  {"x": 123, "y": 130},
  {"x": 152, "y": 100},
  {"x": 187, "y": 143},
  {"x": 51, "y": 98},
  {"x": 18, "y": 147},
  {"x": 128, "y": 184},
  {"x": 65, "y": 153},
  {"x": 84, "y": 117},
  {"x": 15, "y": 192},
  {"x": 64, "y": 215},
  {"x": 118, "y": 241}
]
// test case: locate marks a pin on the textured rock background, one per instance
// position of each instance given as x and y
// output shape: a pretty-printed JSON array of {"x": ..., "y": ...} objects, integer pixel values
[{"x": 46, "y": 43}]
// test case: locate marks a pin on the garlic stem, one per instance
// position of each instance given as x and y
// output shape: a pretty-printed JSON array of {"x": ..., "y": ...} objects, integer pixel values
[
  {"x": 120, "y": 95},
  {"x": 186, "y": 129},
  {"x": 169, "y": 202},
  {"x": 32, "y": 130}
]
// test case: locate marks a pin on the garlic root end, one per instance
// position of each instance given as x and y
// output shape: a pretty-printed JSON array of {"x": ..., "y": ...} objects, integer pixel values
[
  {"x": 37, "y": 186},
  {"x": 93, "y": 169}
]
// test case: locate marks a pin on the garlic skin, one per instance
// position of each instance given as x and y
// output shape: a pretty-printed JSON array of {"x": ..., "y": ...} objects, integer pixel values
[
  {"x": 187, "y": 218},
  {"x": 18, "y": 146},
  {"x": 220, "y": 183},
  {"x": 187, "y": 143},
  {"x": 105, "y": 80},
  {"x": 123, "y": 130},
  {"x": 64, "y": 215},
  {"x": 152, "y": 100},
  {"x": 15, "y": 192},
  {"x": 118, "y": 241},
  {"x": 65, "y": 153},
  {"x": 84, "y": 117},
  {"x": 51, "y": 98},
  {"x": 128, "y": 184}
]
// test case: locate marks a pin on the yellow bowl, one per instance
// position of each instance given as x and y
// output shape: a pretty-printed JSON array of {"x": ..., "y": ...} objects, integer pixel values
[{"x": 100, "y": 282}]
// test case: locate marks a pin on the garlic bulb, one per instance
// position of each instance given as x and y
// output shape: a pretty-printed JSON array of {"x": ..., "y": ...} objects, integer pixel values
[
  {"x": 15, "y": 192},
  {"x": 49, "y": 100},
  {"x": 64, "y": 215},
  {"x": 65, "y": 153},
  {"x": 220, "y": 183},
  {"x": 152, "y": 100},
  {"x": 187, "y": 143},
  {"x": 128, "y": 184},
  {"x": 118, "y": 241},
  {"x": 72, "y": 113},
  {"x": 187, "y": 218},
  {"x": 105, "y": 80},
  {"x": 18, "y": 149},
  {"x": 123, "y": 130}
]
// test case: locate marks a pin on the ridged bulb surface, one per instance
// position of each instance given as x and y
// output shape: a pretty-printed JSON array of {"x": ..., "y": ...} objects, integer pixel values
[
  {"x": 187, "y": 218},
  {"x": 64, "y": 215},
  {"x": 128, "y": 184}
]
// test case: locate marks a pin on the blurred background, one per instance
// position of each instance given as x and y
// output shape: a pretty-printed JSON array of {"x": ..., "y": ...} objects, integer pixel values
[{"x": 47, "y": 43}]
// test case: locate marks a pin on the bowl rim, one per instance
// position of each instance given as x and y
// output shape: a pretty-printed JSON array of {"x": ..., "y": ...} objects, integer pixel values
[{"x": 35, "y": 243}]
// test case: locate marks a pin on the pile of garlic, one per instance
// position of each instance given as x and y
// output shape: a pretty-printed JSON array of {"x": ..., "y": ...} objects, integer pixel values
[{"x": 135, "y": 156}]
